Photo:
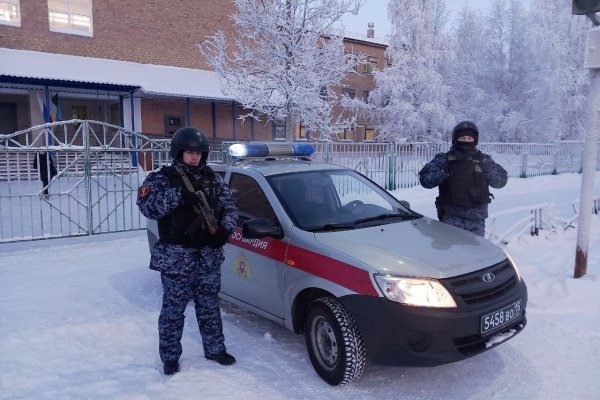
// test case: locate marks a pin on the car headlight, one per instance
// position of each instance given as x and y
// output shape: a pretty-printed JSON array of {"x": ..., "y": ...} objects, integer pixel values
[
  {"x": 415, "y": 292},
  {"x": 514, "y": 265}
]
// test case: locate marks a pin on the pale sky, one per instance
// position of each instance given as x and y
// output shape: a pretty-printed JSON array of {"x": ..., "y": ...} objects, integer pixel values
[{"x": 376, "y": 11}]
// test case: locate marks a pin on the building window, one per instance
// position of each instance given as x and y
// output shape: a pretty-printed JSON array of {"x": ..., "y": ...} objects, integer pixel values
[
  {"x": 10, "y": 12},
  {"x": 80, "y": 112},
  {"x": 301, "y": 132},
  {"x": 369, "y": 65},
  {"x": 279, "y": 130},
  {"x": 172, "y": 123},
  {"x": 366, "y": 95},
  {"x": 350, "y": 92},
  {"x": 369, "y": 133},
  {"x": 71, "y": 16},
  {"x": 352, "y": 58},
  {"x": 349, "y": 135}
]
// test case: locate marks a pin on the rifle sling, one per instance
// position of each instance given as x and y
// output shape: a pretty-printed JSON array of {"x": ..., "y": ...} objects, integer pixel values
[{"x": 186, "y": 180}]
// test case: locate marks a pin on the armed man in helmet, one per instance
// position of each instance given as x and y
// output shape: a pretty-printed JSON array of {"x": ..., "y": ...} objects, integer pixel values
[
  {"x": 463, "y": 175},
  {"x": 196, "y": 213}
]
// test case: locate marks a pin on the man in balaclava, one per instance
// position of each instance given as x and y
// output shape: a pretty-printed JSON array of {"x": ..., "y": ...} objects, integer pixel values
[{"x": 463, "y": 175}]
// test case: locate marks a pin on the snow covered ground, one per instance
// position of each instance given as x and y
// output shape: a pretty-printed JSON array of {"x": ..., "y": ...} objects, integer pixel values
[{"x": 78, "y": 321}]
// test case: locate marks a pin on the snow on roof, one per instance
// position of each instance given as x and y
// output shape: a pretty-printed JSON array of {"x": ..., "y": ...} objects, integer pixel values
[
  {"x": 364, "y": 38},
  {"x": 152, "y": 79}
]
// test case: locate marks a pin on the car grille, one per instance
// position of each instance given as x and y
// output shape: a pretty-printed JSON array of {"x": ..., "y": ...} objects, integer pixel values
[{"x": 473, "y": 290}]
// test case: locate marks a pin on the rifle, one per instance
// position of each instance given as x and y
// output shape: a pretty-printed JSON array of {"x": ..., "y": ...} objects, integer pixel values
[{"x": 205, "y": 217}]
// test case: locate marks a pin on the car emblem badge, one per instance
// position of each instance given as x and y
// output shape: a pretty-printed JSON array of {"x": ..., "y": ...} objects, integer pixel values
[
  {"x": 242, "y": 267},
  {"x": 488, "y": 278}
]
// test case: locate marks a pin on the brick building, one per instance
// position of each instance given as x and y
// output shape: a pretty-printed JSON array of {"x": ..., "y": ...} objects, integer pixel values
[{"x": 133, "y": 63}]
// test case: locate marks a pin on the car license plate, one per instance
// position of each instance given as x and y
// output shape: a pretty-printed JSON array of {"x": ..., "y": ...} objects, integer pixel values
[{"x": 501, "y": 317}]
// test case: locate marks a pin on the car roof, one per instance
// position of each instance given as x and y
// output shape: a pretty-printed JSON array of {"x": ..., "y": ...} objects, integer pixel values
[{"x": 275, "y": 167}]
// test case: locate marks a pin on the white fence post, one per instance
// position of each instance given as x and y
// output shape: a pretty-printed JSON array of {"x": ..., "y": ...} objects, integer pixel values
[
  {"x": 392, "y": 169},
  {"x": 87, "y": 176},
  {"x": 524, "y": 161}
]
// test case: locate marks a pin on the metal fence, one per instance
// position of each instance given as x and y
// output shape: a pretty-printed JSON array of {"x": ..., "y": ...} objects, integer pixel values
[
  {"x": 100, "y": 167},
  {"x": 396, "y": 166}
]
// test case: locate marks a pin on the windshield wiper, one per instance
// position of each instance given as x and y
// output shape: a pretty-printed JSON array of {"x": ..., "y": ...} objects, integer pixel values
[
  {"x": 352, "y": 225},
  {"x": 403, "y": 217},
  {"x": 331, "y": 227}
]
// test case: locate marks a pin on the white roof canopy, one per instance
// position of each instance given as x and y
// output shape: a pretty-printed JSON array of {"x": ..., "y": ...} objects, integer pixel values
[{"x": 152, "y": 79}]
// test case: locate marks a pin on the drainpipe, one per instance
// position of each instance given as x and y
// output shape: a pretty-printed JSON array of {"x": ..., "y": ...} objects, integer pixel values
[
  {"x": 133, "y": 133},
  {"x": 187, "y": 111}
]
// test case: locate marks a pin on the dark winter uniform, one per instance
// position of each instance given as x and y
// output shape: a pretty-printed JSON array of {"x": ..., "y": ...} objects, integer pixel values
[
  {"x": 190, "y": 263},
  {"x": 463, "y": 175},
  {"x": 44, "y": 163}
]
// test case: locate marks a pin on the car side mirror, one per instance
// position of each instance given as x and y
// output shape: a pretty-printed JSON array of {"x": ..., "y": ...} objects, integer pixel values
[
  {"x": 261, "y": 227},
  {"x": 405, "y": 203}
]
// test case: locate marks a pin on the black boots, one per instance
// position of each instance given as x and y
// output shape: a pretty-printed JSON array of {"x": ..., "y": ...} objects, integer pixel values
[
  {"x": 222, "y": 358},
  {"x": 171, "y": 367}
]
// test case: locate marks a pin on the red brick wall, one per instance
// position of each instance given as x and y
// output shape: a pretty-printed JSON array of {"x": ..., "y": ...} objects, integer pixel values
[
  {"x": 155, "y": 111},
  {"x": 156, "y": 32},
  {"x": 144, "y": 31},
  {"x": 362, "y": 82}
]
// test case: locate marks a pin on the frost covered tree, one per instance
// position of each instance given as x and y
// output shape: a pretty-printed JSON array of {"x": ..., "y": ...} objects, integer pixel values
[
  {"x": 519, "y": 73},
  {"x": 411, "y": 97},
  {"x": 284, "y": 60},
  {"x": 558, "y": 83},
  {"x": 513, "y": 123},
  {"x": 468, "y": 99}
]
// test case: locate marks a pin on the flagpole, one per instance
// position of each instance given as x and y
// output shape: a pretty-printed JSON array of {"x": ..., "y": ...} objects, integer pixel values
[{"x": 47, "y": 118}]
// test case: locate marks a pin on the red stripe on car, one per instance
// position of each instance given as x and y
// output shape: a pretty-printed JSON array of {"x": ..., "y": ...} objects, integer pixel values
[{"x": 328, "y": 268}]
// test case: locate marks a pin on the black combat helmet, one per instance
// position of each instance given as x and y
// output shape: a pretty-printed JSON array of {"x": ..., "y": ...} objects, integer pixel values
[
  {"x": 465, "y": 128},
  {"x": 190, "y": 139}
]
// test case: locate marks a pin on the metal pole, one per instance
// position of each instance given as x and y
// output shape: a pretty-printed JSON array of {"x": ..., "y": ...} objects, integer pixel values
[
  {"x": 121, "y": 112},
  {"x": 122, "y": 120},
  {"x": 587, "y": 179},
  {"x": 87, "y": 177},
  {"x": 233, "y": 117},
  {"x": 187, "y": 111},
  {"x": 213, "y": 110},
  {"x": 47, "y": 116},
  {"x": 133, "y": 133}
]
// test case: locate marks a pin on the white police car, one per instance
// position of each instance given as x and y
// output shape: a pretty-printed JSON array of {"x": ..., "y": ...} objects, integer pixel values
[{"x": 326, "y": 252}]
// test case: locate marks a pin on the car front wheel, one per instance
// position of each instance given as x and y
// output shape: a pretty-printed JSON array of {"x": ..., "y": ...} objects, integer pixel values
[{"x": 335, "y": 345}]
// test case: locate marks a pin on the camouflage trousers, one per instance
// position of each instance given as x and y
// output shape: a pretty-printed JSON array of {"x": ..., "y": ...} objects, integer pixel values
[
  {"x": 178, "y": 289},
  {"x": 477, "y": 226}
]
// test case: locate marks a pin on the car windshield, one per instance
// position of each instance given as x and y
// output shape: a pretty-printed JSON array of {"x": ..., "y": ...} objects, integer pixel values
[{"x": 336, "y": 199}]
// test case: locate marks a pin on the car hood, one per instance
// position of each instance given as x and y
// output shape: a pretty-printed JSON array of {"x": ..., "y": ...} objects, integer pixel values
[{"x": 419, "y": 248}]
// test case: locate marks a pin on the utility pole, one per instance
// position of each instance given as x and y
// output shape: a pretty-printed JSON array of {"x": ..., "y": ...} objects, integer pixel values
[{"x": 592, "y": 62}]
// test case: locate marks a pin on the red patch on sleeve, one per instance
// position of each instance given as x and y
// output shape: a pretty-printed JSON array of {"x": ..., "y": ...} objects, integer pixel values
[{"x": 143, "y": 191}]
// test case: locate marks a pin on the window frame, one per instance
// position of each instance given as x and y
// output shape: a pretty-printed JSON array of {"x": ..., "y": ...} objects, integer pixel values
[
  {"x": 246, "y": 187},
  {"x": 69, "y": 29},
  {"x": 79, "y": 111},
  {"x": 352, "y": 58},
  {"x": 369, "y": 133},
  {"x": 301, "y": 132},
  {"x": 17, "y": 22},
  {"x": 350, "y": 92}
]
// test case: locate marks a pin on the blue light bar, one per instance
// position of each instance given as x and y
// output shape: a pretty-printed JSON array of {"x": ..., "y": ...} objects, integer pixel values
[{"x": 271, "y": 149}]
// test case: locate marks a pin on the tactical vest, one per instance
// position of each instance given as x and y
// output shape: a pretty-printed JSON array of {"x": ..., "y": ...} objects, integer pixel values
[
  {"x": 171, "y": 228},
  {"x": 467, "y": 185}
]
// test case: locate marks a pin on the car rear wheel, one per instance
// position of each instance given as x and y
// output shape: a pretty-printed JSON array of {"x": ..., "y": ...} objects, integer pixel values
[{"x": 335, "y": 345}]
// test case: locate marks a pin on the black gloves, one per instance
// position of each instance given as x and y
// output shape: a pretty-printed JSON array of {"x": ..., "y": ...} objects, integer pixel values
[{"x": 218, "y": 239}]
